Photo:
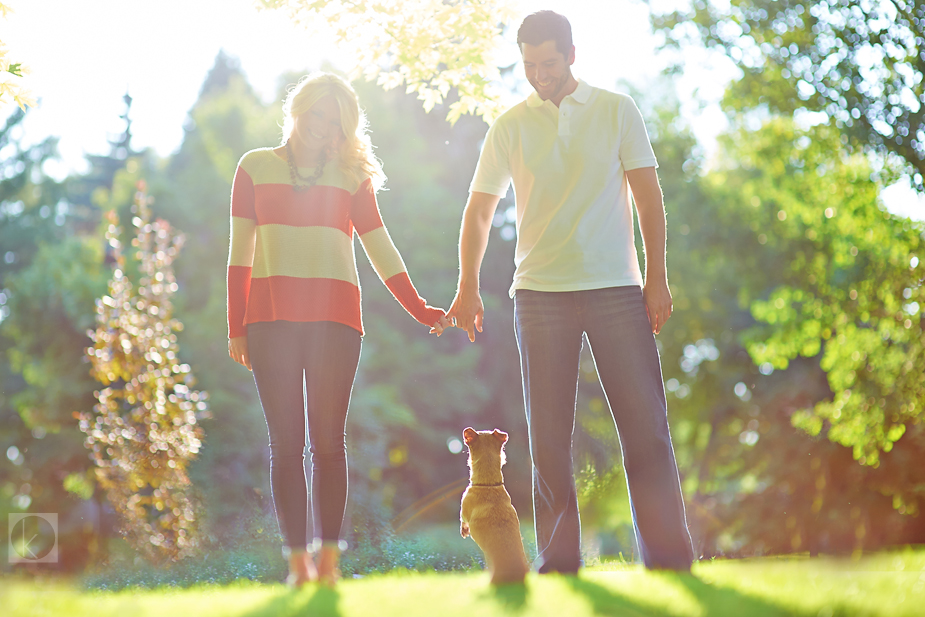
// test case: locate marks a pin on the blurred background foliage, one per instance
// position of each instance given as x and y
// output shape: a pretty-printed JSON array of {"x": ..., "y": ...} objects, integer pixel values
[{"x": 793, "y": 360}]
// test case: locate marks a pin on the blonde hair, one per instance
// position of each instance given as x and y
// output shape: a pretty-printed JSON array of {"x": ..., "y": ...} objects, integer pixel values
[{"x": 355, "y": 156}]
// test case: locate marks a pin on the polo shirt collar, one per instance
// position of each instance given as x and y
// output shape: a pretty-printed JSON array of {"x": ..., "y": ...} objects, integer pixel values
[
  {"x": 581, "y": 95},
  {"x": 582, "y": 92}
]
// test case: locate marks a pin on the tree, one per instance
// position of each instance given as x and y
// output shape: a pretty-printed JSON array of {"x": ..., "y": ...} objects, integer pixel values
[
  {"x": 429, "y": 46},
  {"x": 49, "y": 278},
  {"x": 45, "y": 381},
  {"x": 807, "y": 312},
  {"x": 755, "y": 480},
  {"x": 858, "y": 63},
  {"x": 87, "y": 190},
  {"x": 31, "y": 210},
  {"x": 850, "y": 291},
  {"x": 143, "y": 432}
]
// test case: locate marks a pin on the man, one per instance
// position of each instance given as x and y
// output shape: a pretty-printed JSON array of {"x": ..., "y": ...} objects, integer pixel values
[{"x": 570, "y": 150}]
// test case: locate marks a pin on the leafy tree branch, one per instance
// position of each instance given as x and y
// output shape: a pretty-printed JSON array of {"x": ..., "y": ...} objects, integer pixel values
[
  {"x": 858, "y": 63},
  {"x": 12, "y": 74},
  {"x": 429, "y": 46}
]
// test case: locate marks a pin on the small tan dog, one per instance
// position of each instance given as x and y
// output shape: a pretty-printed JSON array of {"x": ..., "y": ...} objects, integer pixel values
[{"x": 487, "y": 514}]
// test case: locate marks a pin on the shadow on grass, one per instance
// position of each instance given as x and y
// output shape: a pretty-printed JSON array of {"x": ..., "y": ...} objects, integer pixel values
[
  {"x": 606, "y": 602},
  {"x": 723, "y": 600},
  {"x": 322, "y": 603},
  {"x": 512, "y": 597},
  {"x": 716, "y": 601}
]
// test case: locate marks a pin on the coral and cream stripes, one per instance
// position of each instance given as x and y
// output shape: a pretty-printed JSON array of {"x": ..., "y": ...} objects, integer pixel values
[{"x": 291, "y": 255}]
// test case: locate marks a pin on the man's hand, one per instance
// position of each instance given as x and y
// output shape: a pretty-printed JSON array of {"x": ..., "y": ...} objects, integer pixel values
[
  {"x": 658, "y": 304},
  {"x": 237, "y": 349},
  {"x": 467, "y": 310},
  {"x": 440, "y": 326},
  {"x": 650, "y": 210}
]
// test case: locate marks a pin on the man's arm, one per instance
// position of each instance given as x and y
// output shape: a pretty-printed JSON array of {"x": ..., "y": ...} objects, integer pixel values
[
  {"x": 651, "y": 210},
  {"x": 467, "y": 310}
]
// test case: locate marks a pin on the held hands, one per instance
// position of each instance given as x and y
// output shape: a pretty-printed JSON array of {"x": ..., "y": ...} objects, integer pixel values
[
  {"x": 466, "y": 312},
  {"x": 237, "y": 349},
  {"x": 440, "y": 326},
  {"x": 658, "y": 304}
]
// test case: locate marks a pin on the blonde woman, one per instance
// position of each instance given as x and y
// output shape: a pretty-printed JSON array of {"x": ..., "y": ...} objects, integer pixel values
[{"x": 294, "y": 314}]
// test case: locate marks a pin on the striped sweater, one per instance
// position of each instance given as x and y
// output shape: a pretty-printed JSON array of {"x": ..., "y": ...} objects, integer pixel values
[{"x": 291, "y": 254}]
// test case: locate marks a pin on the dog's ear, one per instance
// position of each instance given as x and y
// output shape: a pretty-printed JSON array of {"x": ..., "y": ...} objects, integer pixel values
[
  {"x": 500, "y": 435},
  {"x": 469, "y": 434}
]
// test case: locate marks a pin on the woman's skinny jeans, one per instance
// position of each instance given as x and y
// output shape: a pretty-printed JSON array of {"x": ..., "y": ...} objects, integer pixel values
[{"x": 306, "y": 370}]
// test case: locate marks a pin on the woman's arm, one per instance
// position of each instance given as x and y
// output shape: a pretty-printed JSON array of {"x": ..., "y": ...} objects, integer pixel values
[
  {"x": 387, "y": 261},
  {"x": 241, "y": 243}
]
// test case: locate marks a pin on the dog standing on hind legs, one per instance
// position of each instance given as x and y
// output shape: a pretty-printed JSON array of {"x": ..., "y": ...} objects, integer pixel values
[{"x": 487, "y": 513}]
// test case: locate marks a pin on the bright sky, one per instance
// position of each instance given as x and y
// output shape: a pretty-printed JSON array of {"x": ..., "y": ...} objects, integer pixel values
[{"x": 85, "y": 54}]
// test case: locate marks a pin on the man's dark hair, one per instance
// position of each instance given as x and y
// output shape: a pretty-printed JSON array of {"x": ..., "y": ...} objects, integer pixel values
[{"x": 542, "y": 26}]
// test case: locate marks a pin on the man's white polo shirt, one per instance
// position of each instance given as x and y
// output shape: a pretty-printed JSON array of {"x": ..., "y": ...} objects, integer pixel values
[{"x": 574, "y": 218}]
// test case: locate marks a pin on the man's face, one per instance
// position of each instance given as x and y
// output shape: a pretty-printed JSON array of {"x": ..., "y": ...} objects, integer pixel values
[{"x": 547, "y": 69}]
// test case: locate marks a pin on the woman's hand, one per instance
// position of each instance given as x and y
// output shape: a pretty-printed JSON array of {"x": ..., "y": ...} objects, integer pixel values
[
  {"x": 237, "y": 349},
  {"x": 440, "y": 326}
]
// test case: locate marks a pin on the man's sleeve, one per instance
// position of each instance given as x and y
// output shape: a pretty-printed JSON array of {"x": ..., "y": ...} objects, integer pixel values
[
  {"x": 635, "y": 149},
  {"x": 493, "y": 172}
]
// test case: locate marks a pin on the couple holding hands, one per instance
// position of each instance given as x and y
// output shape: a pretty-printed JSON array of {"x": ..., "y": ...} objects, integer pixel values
[{"x": 573, "y": 153}]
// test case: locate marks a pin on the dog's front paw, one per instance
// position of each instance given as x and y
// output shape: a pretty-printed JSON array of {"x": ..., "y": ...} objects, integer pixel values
[{"x": 464, "y": 530}]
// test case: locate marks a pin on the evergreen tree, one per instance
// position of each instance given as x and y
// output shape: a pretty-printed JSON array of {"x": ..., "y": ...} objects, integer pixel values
[
  {"x": 87, "y": 193},
  {"x": 143, "y": 432}
]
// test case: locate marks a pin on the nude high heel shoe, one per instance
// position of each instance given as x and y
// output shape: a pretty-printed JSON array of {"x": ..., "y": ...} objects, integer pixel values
[{"x": 301, "y": 569}]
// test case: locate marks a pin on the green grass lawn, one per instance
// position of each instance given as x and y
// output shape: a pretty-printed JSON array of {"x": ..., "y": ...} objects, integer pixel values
[{"x": 890, "y": 584}]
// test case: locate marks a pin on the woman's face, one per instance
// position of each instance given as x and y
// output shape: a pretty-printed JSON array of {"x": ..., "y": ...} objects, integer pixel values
[{"x": 319, "y": 128}]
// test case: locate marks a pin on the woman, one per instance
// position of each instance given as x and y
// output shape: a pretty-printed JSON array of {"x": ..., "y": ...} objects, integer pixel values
[{"x": 294, "y": 301}]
